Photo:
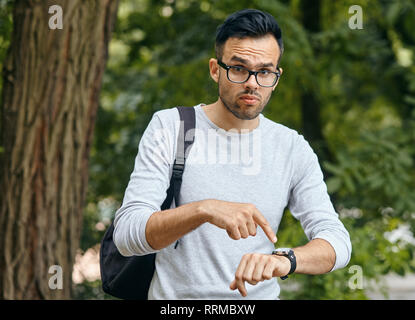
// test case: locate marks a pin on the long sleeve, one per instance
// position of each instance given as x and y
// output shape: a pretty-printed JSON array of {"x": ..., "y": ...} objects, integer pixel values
[
  {"x": 310, "y": 203},
  {"x": 146, "y": 190}
]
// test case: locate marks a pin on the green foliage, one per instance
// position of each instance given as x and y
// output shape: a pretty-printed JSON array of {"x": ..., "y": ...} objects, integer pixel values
[
  {"x": 5, "y": 28},
  {"x": 90, "y": 290},
  {"x": 372, "y": 252},
  {"x": 5, "y": 35},
  {"x": 90, "y": 235},
  {"x": 378, "y": 173}
]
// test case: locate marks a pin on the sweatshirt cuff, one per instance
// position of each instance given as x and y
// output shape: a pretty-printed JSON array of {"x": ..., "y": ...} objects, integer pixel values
[
  {"x": 142, "y": 233},
  {"x": 341, "y": 249}
]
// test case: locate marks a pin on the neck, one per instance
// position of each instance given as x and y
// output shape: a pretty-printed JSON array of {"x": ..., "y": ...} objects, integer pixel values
[{"x": 223, "y": 118}]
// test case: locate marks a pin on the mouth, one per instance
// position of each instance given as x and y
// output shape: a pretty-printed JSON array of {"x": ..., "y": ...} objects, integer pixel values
[{"x": 249, "y": 99}]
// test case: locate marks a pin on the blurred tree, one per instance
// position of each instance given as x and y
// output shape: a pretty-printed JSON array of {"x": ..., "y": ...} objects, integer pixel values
[
  {"x": 51, "y": 84},
  {"x": 311, "y": 19}
]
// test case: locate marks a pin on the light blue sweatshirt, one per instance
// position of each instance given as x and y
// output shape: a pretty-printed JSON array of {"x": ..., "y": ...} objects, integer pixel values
[{"x": 271, "y": 167}]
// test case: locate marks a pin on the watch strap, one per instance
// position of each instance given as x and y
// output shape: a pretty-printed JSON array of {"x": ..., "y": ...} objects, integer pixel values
[{"x": 290, "y": 256}]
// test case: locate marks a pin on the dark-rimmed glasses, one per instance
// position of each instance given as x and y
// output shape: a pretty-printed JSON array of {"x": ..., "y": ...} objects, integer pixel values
[{"x": 236, "y": 74}]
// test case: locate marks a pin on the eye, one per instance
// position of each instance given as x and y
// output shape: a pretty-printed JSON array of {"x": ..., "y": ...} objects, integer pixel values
[{"x": 238, "y": 69}]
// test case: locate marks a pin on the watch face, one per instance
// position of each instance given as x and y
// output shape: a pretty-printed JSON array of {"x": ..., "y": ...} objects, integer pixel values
[{"x": 281, "y": 251}]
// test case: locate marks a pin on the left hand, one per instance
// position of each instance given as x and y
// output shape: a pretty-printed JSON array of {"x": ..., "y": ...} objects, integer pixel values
[{"x": 256, "y": 267}]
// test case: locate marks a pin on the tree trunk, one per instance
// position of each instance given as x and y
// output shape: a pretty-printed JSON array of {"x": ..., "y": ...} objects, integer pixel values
[
  {"x": 310, "y": 106},
  {"x": 52, "y": 79}
]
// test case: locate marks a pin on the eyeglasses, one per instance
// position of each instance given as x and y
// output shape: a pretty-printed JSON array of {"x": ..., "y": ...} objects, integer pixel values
[{"x": 235, "y": 74}]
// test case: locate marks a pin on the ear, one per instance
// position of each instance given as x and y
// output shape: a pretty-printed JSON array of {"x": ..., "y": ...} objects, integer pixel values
[
  {"x": 281, "y": 71},
  {"x": 214, "y": 69}
]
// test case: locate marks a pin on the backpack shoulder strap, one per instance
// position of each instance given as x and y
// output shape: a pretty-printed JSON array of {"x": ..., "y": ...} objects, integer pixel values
[{"x": 185, "y": 141}]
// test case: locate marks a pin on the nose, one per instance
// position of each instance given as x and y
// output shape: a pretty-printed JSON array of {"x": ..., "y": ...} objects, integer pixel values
[{"x": 251, "y": 83}]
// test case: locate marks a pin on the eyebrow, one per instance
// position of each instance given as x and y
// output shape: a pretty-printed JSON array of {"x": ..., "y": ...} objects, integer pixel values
[{"x": 246, "y": 62}]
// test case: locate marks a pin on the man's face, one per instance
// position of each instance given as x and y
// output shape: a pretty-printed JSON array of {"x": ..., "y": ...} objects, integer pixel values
[{"x": 246, "y": 100}]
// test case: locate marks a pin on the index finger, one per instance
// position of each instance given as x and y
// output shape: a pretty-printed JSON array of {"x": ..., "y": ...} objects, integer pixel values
[{"x": 264, "y": 224}]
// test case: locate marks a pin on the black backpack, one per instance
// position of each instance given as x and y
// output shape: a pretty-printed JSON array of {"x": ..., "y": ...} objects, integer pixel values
[{"x": 130, "y": 277}]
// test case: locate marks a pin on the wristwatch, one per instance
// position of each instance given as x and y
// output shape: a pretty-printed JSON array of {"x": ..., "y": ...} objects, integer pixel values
[{"x": 287, "y": 252}]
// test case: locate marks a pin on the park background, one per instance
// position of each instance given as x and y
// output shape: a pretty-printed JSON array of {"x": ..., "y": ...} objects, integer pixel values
[{"x": 87, "y": 91}]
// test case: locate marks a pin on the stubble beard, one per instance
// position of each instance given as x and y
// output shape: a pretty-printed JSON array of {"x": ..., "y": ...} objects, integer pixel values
[{"x": 235, "y": 109}]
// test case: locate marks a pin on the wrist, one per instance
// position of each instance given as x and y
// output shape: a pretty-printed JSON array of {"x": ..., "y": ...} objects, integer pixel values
[
  {"x": 289, "y": 255},
  {"x": 202, "y": 210},
  {"x": 284, "y": 266}
]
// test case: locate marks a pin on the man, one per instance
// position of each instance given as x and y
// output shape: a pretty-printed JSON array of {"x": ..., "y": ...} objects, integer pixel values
[{"x": 218, "y": 196}]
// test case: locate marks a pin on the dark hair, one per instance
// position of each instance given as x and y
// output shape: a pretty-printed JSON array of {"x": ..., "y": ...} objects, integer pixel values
[{"x": 247, "y": 23}]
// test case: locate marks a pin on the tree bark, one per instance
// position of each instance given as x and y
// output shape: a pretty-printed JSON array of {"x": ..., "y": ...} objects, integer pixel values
[
  {"x": 310, "y": 106},
  {"x": 51, "y": 85}
]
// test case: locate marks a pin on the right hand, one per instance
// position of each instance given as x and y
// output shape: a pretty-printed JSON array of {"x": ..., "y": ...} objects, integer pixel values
[{"x": 240, "y": 220}]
